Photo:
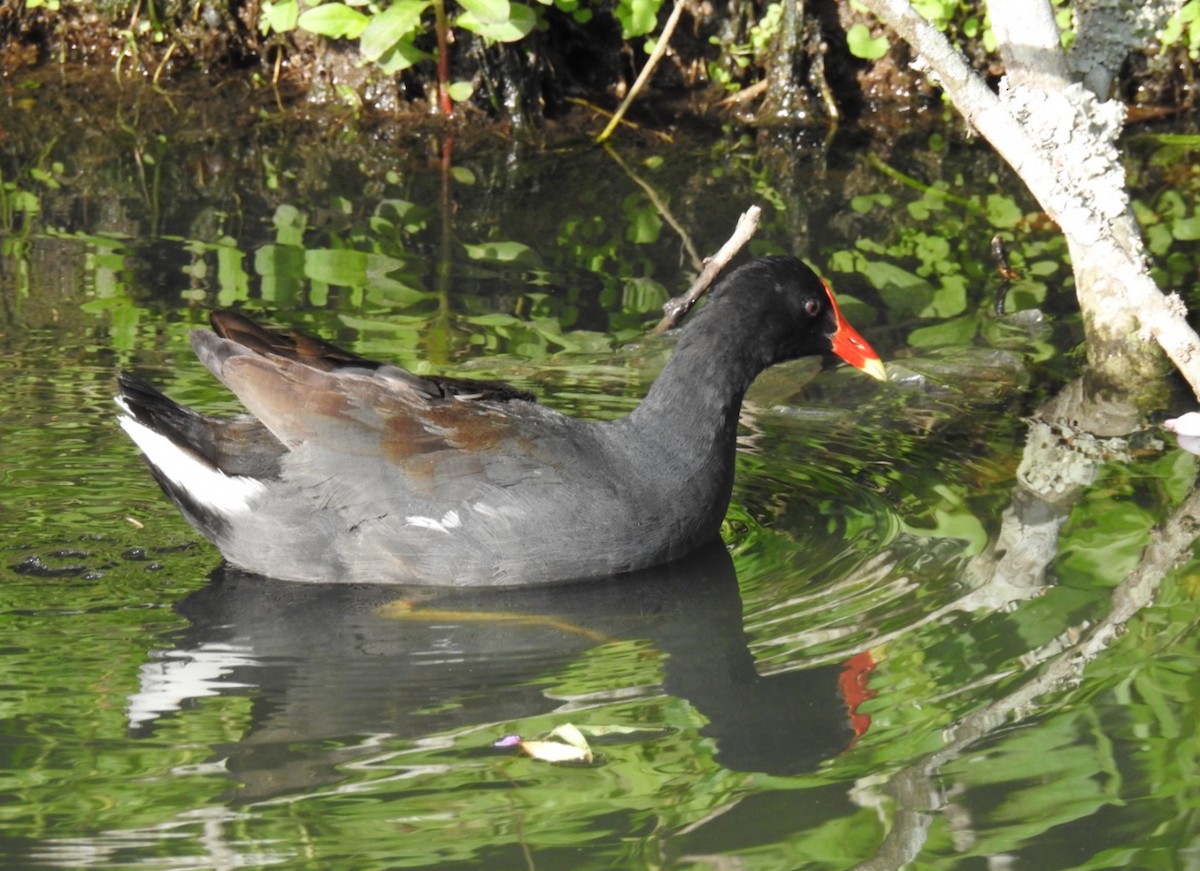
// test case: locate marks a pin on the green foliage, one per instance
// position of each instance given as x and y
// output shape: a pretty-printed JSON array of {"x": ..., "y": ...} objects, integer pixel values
[
  {"x": 497, "y": 20},
  {"x": 334, "y": 20},
  {"x": 388, "y": 37},
  {"x": 1169, "y": 216},
  {"x": 934, "y": 274},
  {"x": 1183, "y": 29},
  {"x": 740, "y": 56},
  {"x": 863, "y": 45},
  {"x": 387, "y": 32},
  {"x": 637, "y": 17}
]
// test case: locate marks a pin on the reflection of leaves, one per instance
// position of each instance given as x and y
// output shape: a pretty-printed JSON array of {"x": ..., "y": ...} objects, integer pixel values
[
  {"x": 339, "y": 266},
  {"x": 645, "y": 225},
  {"x": 643, "y": 295},
  {"x": 346, "y": 267},
  {"x": 503, "y": 252},
  {"x": 952, "y": 518},
  {"x": 281, "y": 268},
  {"x": 1104, "y": 538},
  {"x": 1075, "y": 776}
]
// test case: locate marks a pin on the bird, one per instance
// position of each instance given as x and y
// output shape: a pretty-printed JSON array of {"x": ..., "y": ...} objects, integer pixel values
[{"x": 349, "y": 470}]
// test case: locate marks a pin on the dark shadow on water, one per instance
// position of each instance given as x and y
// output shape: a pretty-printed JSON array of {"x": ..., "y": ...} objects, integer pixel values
[{"x": 326, "y": 665}]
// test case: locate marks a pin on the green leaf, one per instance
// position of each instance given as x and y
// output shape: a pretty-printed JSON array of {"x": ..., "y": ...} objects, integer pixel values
[
  {"x": 334, "y": 20},
  {"x": 460, "y": 91},
  {"x": 955, "y": 332},
  {"x": 281, "y": 16},
  {"x": 902, "y": 291},
  {"x": 401, "y": 213},
  {"x": 863, "y": 203},
  {"x": 1186, "y": 229},
  {"x": 387, "y": 29},
  {"x": 948, "y": 300},
  {"x": 1003, "y": 211},
  {"x": 497, "y": 20},
  {"x": 1159, "y": 239},
  {"x": 863, "y": 45},
  {"x": 637, "y": 17},
  {"x": 401, "y": 56}
]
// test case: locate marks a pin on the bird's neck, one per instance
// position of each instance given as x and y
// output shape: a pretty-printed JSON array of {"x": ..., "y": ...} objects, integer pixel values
[{"x": 691, "y": 411}]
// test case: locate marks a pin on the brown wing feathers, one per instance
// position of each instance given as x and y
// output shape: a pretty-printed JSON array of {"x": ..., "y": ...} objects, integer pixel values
[{"x": 319, "y": 354}]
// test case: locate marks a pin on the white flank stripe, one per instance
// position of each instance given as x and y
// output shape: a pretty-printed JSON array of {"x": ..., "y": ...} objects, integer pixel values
[
  {"x": 209, "y": 486},
  {"x": 450, "y": 520}
]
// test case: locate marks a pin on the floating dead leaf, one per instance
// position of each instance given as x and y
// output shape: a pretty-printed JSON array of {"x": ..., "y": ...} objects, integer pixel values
[
  {"x": 555, "y": 751},
  {"x": 569, "y": 743},
  {"x": 564, "y": 743}
]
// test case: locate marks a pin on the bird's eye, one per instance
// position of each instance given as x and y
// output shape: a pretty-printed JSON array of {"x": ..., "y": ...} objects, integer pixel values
[{"x": 811, "y": 307}]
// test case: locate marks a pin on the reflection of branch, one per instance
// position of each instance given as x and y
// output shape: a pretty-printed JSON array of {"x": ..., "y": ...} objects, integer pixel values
[
  {"x": 659, "y": 206},
  {"x": 676, "y": 308},
  {"x": 912, "y": 787}
]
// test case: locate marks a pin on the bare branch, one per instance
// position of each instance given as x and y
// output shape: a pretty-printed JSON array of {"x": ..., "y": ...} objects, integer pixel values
[
  {"x": 679, "y": 306},
  {"x": 660, "y": 48}
]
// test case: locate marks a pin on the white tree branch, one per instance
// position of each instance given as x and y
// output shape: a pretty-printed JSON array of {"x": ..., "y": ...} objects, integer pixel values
[{"x": 1059, "y": 139}]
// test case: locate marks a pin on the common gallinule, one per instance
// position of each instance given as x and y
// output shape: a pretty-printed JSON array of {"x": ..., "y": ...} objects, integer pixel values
[{"x": 349, "y": 470}]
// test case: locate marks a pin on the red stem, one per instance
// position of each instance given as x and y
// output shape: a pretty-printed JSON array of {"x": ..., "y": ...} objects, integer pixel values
[{"x": 443, "y": 64}]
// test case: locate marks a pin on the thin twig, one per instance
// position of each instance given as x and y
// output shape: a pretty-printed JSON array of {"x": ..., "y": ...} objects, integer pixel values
[
  {"x": 591, "y": 107},
  {"x": 679, "y": 306},
  {"x": 745, "y": 95},
  {"x": 660, "y": 48}
]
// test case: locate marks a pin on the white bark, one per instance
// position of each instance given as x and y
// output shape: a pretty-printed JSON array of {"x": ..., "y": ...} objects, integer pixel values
[{"x": 1106, "y": 30}]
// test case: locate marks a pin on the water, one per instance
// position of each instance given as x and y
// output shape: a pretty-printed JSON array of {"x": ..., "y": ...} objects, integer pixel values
[{"x": 855, "y": 676}]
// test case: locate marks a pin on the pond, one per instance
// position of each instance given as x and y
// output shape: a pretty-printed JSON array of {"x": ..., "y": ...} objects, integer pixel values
[{"x": 901, "y": 653}]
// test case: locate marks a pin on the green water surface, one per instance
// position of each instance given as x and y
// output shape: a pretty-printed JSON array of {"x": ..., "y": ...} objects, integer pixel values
[{"x": 809, "y": 695}]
